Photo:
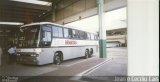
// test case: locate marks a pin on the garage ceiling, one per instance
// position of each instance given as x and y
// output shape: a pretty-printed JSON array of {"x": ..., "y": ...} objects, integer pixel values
[
  {"x": 23, "y": 12},
  {"x": 14, "y": 11}
]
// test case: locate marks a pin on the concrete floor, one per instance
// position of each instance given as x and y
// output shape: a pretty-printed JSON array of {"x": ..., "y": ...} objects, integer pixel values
[
  {"x": 116, "y": 66},
  {"x": 73, "y": 70}
]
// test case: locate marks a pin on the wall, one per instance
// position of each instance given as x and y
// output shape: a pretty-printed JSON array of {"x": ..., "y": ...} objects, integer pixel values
[{"x": 143, "y": 37}]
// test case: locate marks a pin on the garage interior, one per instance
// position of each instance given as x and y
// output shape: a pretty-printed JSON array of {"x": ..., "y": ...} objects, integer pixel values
[
  {"x": 56, "y": 11},
  {"x": 15, "y": 13}
]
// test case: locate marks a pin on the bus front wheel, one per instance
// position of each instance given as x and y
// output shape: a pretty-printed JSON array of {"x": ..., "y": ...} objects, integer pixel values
[{"x": 57, "y": 59}]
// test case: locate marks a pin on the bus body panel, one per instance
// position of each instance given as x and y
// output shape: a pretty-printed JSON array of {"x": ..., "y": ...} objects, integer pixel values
[
  {"x": 46, "y": 42},
  {"x": 46, "y": 55}
]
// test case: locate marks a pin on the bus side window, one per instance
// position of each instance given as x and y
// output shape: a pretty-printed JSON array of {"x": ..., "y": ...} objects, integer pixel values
[
  {"x": 85, "y": 36},
  {"x": 70, "y": 34},
  {"x": 77, "y": 36},
  {"x": 88, "y": 36},
  {"x": 82, "y": 35},
  {"x": 74, "y": 34},
  {"x": 57, "y": 31},
  {"x": 66, "y": 33},
  {"x": 60, "y": 32},
  {"x": 95, "y": 37},
  {"x": 92, "y": 37}
]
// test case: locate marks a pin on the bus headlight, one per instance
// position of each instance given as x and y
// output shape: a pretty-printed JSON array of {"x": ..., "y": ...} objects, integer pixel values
[{"x": 18, "y": 54}]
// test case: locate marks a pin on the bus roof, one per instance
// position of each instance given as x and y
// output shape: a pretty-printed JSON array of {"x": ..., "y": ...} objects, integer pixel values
[{"x": 42, "y": 23}]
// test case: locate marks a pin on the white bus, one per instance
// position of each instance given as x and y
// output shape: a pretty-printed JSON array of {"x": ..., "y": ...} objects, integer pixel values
[{"x": 45, "y": 42}]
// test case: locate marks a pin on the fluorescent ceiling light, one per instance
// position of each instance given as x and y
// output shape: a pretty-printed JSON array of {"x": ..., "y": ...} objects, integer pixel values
[
  {"x": 35, "y": 2},
  {"x": 11, "y": 23}
]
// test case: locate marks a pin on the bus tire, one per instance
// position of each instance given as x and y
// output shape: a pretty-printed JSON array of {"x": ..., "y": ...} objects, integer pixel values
[
  {"x": 57, "y": 59},
  {"x": 86, "y": 54},
  {"x": 91, "y": 52}
]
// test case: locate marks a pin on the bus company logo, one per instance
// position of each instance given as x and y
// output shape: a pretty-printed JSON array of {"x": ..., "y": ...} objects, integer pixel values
[{"x": 68, "y": 42}]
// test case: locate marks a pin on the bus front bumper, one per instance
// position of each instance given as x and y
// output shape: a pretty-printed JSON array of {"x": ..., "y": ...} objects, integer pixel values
[{"x": 27, "y": 60}]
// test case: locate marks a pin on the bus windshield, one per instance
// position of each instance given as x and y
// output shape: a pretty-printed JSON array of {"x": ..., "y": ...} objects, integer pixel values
[{"x": 28, "y": 38}]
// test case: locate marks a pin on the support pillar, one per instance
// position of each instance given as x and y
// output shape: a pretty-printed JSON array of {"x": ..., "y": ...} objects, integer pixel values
[{"x": 102, "y": 31}]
